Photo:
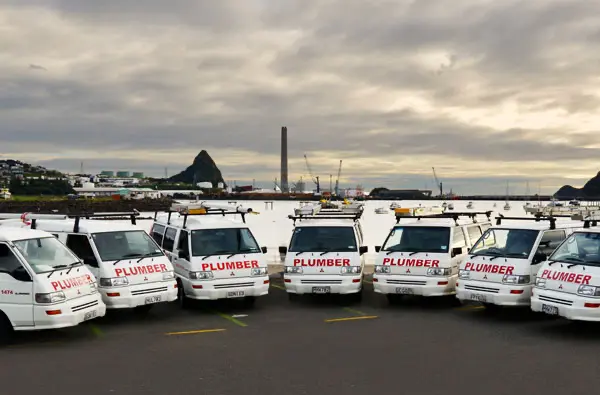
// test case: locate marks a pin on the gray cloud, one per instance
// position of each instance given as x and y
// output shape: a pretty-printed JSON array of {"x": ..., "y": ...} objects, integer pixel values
[{"x": 509, "y": 84}]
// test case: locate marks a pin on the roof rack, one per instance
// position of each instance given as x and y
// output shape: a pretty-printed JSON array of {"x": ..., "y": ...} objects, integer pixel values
[
  {"x": 537, "y": 218},
  {"x": 455, "y": 216},
  {"x": 34, "y": 217},
  {"x": 588, "y": 221},
  {"x": 206, "y": 208}
]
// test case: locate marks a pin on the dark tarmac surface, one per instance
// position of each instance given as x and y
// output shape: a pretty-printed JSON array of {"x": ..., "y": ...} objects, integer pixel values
[{"x": 285, "y": 348}]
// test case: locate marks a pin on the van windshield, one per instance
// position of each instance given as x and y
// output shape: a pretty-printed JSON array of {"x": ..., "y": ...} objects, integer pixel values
[
  {"x": 515, "y": 243},
  {"x": 114, "y": 246},
  {"x": 418, "y": 239},
  {"x": 580, "y": 248},
  {"x": 323, "y": 238},
  {"x": 206, "y": 242},
  {"x": 46, "y": 254}
]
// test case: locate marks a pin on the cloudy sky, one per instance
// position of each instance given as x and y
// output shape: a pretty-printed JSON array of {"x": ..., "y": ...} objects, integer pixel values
[{"x": 484, "y": 90}]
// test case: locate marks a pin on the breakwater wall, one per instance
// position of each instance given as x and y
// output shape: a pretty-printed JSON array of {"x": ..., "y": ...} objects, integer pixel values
[{"x": 84, "y": 206}]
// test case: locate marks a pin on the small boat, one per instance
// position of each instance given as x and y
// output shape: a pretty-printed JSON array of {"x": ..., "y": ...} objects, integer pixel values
[
  {"x": 574, "y": 203},
  {"x": 507, "y": 206},
  {"x": 470, "y": 205},
  {"x": 394, "y": 206},
  {"x": 444, "y": 205},
  {"x": 5, "y": 193},
  {"x": 381, "y": 210}
]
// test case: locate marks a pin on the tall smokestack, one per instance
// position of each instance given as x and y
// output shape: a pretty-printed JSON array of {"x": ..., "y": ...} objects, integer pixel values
[{"x": 284, "y": 161}]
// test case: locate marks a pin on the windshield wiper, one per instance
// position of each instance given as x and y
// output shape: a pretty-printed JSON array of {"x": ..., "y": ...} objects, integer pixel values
[
  {"x": 300, "y": 252},
  {"x": 57, "y": 268},
  {"x": 325, "y": 252},
  {"x": 391, "y": 251},
  {"x": 497, "y": 256},
  {"x": 215, "y": 253},
  {"x": 413, "y": 253},
  {"x": 242, "y": 251},
  {"x": 71, "y": 266},
  {"x": 578, "y": 261}
]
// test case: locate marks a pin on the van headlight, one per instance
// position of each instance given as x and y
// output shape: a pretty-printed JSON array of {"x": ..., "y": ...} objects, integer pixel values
[
  {"x": 52, "y": 297},
  {"x": 114, "y": 281},
  {"x": 168, "y": 275},
  {"x": 381, "y": 269},
  {"x": 588, "y": 290},
  {"x": 293, "y": 270},
  {"x": 439, "y": 271},
  {"x": 540, "y": 282},
  {"x": 464, "y": 274},
  {"x": 512, "y": 279},
  {"x": 259, "y": 271},
  {"x": 93, "y": 288},
  {"x": 201, "y": 275},
  {"x": 350, "y": 270}
]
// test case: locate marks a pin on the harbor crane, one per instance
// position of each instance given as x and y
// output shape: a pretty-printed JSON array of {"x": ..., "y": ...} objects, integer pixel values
[
  {"x": 438, "y": 182},
  {"x": 310, "y": 172},
  {"x": 337, "y": 181}
]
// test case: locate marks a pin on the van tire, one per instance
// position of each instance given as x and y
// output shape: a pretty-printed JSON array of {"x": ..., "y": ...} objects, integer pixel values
[
  {"x": 6, "y": 329},
  {"x": 183, "y": 301},
  {"x": 143, "y": 309},
  {"x": 491, "y": 307},
  {"x": 293, "y": 297},
  {"x": 249, "y": 301},
  {"x": 393, "y": 298}
]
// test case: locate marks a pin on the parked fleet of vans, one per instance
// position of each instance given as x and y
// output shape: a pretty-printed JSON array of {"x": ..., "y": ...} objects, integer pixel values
[{"x": 57, "y": 271}]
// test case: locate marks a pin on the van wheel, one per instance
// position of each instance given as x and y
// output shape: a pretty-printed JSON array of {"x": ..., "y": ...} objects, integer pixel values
[
  {"x": 491, "y": 307},
  {"x": 293, "y": 297},
  {"x": 393, "y": 298},
  {"x": 249, "y": 301},
  {"x": 6, "y": 329},
  {"x": 143, "y": 310},
  {"x": 183, "y": 301}
]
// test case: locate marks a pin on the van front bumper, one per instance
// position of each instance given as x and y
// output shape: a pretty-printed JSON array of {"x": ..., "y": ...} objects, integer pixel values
[
  {"x": 226, "y": 288},
  {"x": 335, "y": 284},
  {"x": 494, "y": 293},
  {"x": 70, "y": 313},
  {"x": 413, "y": 285},
  {"x": 567, "y": 305},
  {"x": 139, "y": 294}
]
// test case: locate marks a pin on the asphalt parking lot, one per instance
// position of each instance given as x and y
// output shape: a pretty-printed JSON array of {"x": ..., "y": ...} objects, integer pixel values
[{"x": 314, "y": 346}]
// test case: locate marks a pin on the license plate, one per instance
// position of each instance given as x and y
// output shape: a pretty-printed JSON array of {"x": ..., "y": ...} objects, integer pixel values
[
  {"x": 235, "y": 294},
  {"x": 321, "y": 290},
  {"x": 405, "y": 291},
  {"x": 152, "y": 299},
  {"x": 89, "y": 315},
  {"x": 552, "y": 310},
  {"x": 479, "y": 298}
]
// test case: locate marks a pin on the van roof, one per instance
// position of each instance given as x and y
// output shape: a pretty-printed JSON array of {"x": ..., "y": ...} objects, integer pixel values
[
  {"x": 325, "y": 222},
  {"x": 441, "y": 222},
  {"x": 542, "y": 225},
  {"x": 85, "y": 225},
  {"x": 199, "y": 222},
  {"x": 15, "y": 234}
]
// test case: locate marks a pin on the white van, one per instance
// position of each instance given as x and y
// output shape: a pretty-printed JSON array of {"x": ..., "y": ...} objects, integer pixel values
[
  {"x": 214, "y": 256},
  {"x": 501, "y": 267},
  {"x": 422, "y": 257},
  {"x": 132, "y": 270},
  {"x": 568, "y": 283},
  {"x": 43, "y": 285},
  {"x": 326, "y": 252}
]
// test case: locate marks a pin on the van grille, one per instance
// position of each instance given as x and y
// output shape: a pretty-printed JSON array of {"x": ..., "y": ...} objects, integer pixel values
[
  {"x": 84, "y": 306},
  {"x": 482, "y": 289},
  {"x": 149, "y": 291},
  {"x": 233, "y": 285},
  {"x": 407, "y": 282},
  {"x": 556, "y": 300},
  {"x": 320, "y": 281}
]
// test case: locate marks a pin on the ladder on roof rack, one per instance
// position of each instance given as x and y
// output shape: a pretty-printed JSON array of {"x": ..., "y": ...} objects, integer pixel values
[
  {"x": 455, "y": 216},
  {"x": 354, "y": 217},
  {"x": 206, "y": 208},
  {"x": 34, "y": 217}
]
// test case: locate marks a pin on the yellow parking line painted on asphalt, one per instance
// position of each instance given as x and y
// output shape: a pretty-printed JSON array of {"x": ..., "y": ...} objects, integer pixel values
[
  {"x": 362, "y": 317},
  {"x": 96, "y": 331},
  {"x": 194, "y": 332},
  {"x": 367, "y": 281},
  {"x": 357, "y": 312},
  {"x": 277, "y": 286},
  {"x": 230, "y": 318}
]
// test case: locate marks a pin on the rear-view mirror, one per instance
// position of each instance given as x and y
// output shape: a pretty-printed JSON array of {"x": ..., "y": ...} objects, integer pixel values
[
  {"x": 363, "y": 249},
  {"x": 377, "y": 248},
  {"x": 456, "y": 251},
  {"x": 263, "y": 249}
]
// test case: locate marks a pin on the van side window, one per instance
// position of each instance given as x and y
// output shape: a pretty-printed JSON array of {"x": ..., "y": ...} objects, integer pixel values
[
  {"x": 157, "y": 233},
  {"x": 184, "y": 243},
  {"x": 169, "y": 240},
  {"x": 8, "y": 261},
  {"x": 458, "y": 239},
  {"x": 474, "y": 233},
  {"x": 80, "y": 245},
  {"x": 550, "y": 240}
]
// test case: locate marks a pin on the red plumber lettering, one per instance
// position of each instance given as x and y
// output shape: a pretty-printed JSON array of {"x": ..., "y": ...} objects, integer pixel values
[
  {"x": 322, "y": 262},
  {"x": 139, "y": 270},
  {"x": 566, "y": 277},
  {"x": 411, "y": 262},
  {"x": 219, "y": 266},
  {"x": 489, "y": 268},
  {"x": 71, "y": 282}
]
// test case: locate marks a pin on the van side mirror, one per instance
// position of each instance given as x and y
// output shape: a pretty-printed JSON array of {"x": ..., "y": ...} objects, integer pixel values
[
  {"x": 363, "y": 249},
  {"x": 263, "y": 249},
  {"x": 538, "y": 257},
  {"x": 456, "y": 251},
  {"x": 377, "y": 248},
  {"x": 182, "y": 254},
  {"x": 21, "y": 274},
  {"x": 283, "y": 250},
  {"x": 91, "y": 261}
]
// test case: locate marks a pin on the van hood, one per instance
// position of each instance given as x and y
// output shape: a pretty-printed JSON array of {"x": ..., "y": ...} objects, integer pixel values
[
  {"x": 319, "y": 263},
  {"x": 481, "y": 268},
  {"x": 77, "y": 283},
  {"x": 562, "y": 278},
  {"x": 416, "y": 264},
  {"x": 147, "y": 270},
  {"x": 223, "y": 266}
]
